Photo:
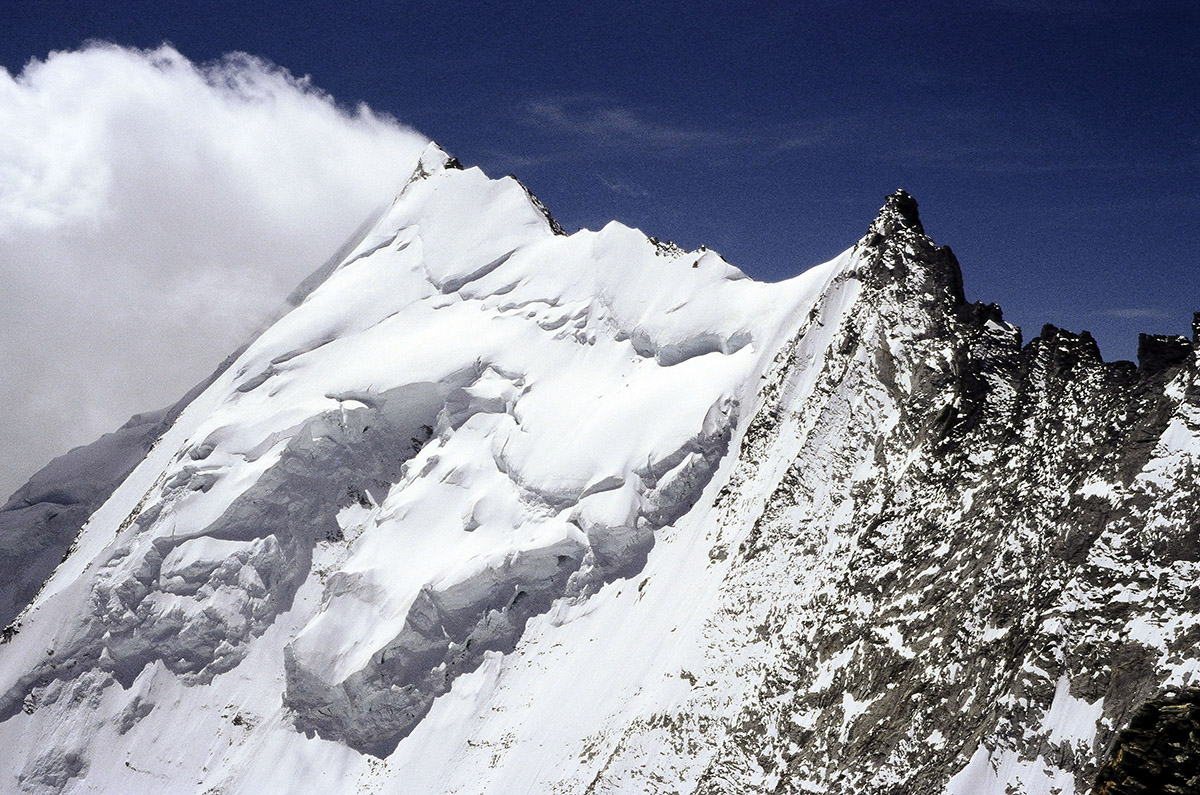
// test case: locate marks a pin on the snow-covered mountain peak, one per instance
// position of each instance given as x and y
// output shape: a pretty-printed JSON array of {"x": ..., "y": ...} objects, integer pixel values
[
  {"x": 432, "y": 160},
  {"x": 495, "y": 508},
  {"x": 473, "y": 421}
]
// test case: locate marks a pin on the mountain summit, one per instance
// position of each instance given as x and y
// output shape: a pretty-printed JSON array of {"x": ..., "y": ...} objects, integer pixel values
[{"x": 495, "y": 508}]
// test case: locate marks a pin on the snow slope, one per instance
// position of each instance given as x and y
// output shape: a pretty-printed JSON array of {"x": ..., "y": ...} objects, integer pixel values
[{"x": 501, "y": 509}]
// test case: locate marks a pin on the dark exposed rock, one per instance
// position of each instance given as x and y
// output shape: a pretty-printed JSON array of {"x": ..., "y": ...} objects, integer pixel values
[
  {"x": 1158, "y": 352},
  {"x": 1159, "y": 752}
]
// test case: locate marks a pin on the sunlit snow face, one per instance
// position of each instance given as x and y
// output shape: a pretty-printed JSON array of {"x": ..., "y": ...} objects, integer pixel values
[{"x": 153, "y": 214}]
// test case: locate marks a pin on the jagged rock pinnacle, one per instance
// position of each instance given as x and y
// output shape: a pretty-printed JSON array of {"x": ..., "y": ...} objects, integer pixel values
[
  {"x": 898, "y": 214},
  {"x": 900, "y": 209}
]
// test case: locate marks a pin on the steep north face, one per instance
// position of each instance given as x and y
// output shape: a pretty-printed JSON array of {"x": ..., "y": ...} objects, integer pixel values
[{"x": 501, "y": 509}]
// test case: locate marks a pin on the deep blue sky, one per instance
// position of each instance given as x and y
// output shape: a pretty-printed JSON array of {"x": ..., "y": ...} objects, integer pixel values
[{"x": 1054, "y": 146}]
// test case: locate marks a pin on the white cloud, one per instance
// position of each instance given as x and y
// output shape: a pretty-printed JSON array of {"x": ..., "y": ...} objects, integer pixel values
[{"x": 153, "y": 214}]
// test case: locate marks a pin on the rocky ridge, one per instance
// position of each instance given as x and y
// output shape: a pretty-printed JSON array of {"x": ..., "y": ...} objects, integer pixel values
[{"x": 981, "y": 557}]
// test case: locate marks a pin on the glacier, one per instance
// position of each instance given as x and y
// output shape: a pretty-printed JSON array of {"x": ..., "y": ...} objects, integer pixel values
[{"x": 498, "y": 508}]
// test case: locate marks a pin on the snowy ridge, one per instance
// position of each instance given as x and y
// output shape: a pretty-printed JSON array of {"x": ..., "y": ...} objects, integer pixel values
[{"x": 495, "y": 508}]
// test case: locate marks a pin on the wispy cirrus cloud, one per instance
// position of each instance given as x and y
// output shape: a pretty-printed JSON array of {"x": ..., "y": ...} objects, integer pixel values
[
  {"x": 1138, "y": 313},
  {"x": 614, "y": 125},
  {"x": 605, "y": 124},
  {"x": 980, "y": 139},
  {"x": 624, "y": 187}
]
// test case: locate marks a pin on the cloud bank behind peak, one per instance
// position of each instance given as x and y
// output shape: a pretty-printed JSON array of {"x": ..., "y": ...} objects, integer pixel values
[{"x": 154, "y": 212}]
